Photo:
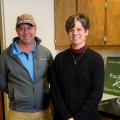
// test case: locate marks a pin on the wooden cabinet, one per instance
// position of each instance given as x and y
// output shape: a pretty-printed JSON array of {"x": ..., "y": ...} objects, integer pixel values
[
  {"x": 63, "y": 9},
  {"x": 113, "y": 22},
  {"x": 96, "y": 11},
  {"x": 104, "y": 17}
]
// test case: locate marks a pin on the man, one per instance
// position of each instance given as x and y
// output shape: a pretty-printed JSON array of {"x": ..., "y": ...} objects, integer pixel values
[{"x": 25, "y": 73}]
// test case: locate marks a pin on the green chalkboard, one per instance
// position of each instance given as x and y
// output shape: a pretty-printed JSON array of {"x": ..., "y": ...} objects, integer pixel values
[{"x": 112, "y": 76}]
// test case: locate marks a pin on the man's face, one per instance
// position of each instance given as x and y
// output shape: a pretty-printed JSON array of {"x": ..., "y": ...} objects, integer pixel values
[{"x": 26, "y": 33}]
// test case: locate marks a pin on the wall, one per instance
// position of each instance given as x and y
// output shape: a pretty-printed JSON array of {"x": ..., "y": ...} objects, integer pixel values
[{"x": 42, "y": 10}]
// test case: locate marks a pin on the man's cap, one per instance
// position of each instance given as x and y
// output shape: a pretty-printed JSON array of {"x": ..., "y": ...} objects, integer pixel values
[{"x": 25, "y": 18}]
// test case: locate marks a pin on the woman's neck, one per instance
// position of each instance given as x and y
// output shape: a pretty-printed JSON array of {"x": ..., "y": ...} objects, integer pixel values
[
  {"x": 80, "y": 50},
  {"x": 77, "y": 47}
]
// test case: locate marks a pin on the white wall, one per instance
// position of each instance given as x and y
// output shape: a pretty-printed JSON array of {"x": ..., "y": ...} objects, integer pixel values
[{"x": 43, "y": 12}]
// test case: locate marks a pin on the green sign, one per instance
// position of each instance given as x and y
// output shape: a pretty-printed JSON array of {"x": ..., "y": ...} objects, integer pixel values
[{"x": 112, "y": 76}]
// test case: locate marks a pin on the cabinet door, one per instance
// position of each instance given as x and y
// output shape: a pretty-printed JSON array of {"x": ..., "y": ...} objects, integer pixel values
[
  {"x": 113, "y": 23},
  {"x": 95, "y": 10},
  {"x": 63, "y": 9}
]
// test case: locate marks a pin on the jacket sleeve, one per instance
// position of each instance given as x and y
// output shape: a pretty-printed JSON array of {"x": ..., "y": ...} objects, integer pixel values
[
  {"x": 90, "y": 106},
  {"x": 49, "y": 72},
  {"x": 58, "y": 103},
  {"x": 2, "y": 73}
]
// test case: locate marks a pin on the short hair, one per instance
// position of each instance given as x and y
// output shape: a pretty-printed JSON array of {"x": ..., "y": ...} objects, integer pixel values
[{"x": 84, "y": 20}]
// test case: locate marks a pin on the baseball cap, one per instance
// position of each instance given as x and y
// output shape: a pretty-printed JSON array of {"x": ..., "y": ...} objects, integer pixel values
[{"x": 25, "y": 18}]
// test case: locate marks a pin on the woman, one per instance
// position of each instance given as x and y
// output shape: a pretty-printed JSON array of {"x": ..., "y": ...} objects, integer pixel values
[{"x": 78, "y": 75}]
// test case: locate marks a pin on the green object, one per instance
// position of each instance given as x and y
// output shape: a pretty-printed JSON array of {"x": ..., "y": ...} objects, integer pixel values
[{"x": 112, "y": 76}]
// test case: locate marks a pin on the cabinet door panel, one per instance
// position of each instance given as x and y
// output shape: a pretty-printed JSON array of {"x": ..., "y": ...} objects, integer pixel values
[
  {"x": 113, "y": 23},
  {"x": 96, "y": 12},
  {"x": 63, "y": 9}
]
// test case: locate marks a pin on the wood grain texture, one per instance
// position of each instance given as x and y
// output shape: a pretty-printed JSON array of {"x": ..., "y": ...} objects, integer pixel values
[
  {"x": 63, "y": 9},
  {"x": 104, "y": 22},
  {"x": 113, "y": 22},
  {"x": 95, "y": 10}
]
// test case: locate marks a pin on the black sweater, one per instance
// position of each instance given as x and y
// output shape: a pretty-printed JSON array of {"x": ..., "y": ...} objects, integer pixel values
[{"x": 76, "y": 90}]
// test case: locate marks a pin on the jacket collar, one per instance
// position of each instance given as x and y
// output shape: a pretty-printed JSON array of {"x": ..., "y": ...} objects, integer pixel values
[{"x": 16, "y": 39}]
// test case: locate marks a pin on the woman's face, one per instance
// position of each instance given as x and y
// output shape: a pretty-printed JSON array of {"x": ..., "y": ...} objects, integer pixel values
[{"x": 77, "y": 35}]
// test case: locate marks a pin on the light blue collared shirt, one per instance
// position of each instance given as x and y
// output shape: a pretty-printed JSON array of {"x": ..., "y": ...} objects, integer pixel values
[{"x": 26, "y": 59}]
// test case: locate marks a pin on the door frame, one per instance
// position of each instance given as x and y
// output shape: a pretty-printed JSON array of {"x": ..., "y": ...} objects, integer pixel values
[{"x": 2, "y": 47}]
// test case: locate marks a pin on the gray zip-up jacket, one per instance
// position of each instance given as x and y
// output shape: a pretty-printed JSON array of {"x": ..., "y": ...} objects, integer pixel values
[{"x": 25, "y": 95}]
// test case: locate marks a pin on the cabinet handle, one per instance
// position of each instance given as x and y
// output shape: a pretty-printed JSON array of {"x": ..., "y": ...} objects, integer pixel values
[
  {"x": 105, "y": 40},
  {"x": 106, "y": 4}
]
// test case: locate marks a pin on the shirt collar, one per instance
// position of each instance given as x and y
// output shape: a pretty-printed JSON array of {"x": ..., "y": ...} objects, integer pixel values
[
  {"x": 81, "y": 50},
  {"x": 16, "y": 49}
]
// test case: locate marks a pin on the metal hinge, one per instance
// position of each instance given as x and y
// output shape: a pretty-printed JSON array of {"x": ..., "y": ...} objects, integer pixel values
[
  {"x": 106, "y": 4},
  {"x": 105, "y": 40}
]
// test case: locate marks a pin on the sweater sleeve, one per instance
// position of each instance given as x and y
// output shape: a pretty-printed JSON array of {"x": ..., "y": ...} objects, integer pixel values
[
  {"x": 57, "y": 99},
  {"x": 90, "y": 106}
]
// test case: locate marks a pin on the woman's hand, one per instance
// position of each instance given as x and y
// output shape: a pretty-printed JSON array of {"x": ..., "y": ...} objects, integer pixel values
[{"x": 71, "y": 119}]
